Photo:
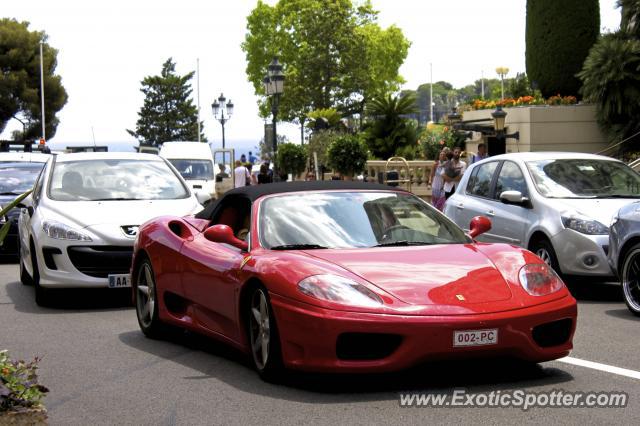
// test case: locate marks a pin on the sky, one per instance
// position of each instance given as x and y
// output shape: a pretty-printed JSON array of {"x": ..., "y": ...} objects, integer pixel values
[{"x": 107, "y": 48}]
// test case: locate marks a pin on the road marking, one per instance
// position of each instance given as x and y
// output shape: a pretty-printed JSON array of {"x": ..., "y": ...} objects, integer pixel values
[{"x": 602, "y": 367}]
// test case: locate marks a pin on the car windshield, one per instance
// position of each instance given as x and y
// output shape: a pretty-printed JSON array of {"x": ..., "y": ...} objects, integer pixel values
[
  {"x": 584, "y": 178},
  {"x": 17, "y": 178},
  {"x": 353, "y": 220},
  {"x": 114, "y": 179},
  {"x": 193, "y": 169}
]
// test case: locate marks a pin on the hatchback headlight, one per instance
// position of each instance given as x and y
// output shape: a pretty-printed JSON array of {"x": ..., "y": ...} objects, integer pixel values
[
  {"x": 60, "y": 231},
  {"x": 340, "y": 290},
  {"x": 584, "y": 225},
  {"x": 538, "y": 279}
]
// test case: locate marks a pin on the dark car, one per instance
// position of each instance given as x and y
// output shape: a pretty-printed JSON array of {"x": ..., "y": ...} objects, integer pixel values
[
  {"x": 624, "y": 253},
  {"x": 15, "y": 179}
]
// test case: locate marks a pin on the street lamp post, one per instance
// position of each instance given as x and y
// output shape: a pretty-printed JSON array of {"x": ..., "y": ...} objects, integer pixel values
[
  {"x": 499, "y": 119},
  {"x": 502, "y": 71},
  {"x": 219, "y": 107},
  {"x": 274, "y": 87}
]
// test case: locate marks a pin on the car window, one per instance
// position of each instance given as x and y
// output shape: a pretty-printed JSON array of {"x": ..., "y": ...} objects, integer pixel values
[
  {"x": 480, "y": 181},
  {"x": 114, "y": 179},
  {"x": 235, "y": 213},
  {"x": 510, "y": 178},
  {"x": 37, "y": 187},
  {"x": 353, "y": 220},
  {"x": 584, "y": 178}
]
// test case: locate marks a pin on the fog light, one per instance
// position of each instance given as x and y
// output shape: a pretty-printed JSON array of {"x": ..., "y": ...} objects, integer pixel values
[{"x": 590, "y": 260}]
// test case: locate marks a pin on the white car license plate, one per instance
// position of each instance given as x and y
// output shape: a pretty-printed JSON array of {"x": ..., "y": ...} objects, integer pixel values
[
  {"x": 475, "y": 337},
  {"x": 119, "y": 280}
]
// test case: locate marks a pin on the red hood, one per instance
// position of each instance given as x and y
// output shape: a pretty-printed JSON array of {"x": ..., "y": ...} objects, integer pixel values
[{"x": 426, "y": 275}]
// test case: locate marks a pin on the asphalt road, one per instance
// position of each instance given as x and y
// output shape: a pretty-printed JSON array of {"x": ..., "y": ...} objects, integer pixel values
[{"x": 102, "y": 370}]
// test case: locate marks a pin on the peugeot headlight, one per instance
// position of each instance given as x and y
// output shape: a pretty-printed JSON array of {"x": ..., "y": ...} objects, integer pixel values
[
  {"x": 584, "y": 225},
  {"x": 340, "y": 290},
  {"x": 60, "y": 231},
  {"x": 538, "y": 279}
]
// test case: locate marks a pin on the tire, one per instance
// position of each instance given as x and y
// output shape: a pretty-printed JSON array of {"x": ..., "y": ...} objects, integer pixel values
[
  {"x": 25, "y": 278},
  {"x": 43, "y": 296},
  {"x": 145, "y": 299},
  {"x": 264, "y": 340},
  {"x": 630, "y": 275},
  {"x": 544, "y": 250}
]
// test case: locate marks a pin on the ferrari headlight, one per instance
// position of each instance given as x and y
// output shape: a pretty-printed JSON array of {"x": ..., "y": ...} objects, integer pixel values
[
  {"x": 337, "y": 289},
  {"x": 60, "y": 231},
  {"x": 584, "y": 225},
  {"x": 538, "y": 279}
]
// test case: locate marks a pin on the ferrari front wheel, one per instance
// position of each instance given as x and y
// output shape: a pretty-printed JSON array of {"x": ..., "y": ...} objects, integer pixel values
[
  {"x": 631, "y": 279},
  {"x": 145, "y": 298},
  {"x": 263, "y": 335}
]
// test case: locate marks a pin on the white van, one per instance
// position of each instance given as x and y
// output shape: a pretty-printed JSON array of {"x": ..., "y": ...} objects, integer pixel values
[{"x": 194, "y": 161}]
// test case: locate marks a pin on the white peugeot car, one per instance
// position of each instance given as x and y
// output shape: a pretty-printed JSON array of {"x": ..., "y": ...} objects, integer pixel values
[
  {"x": 559, "y": 205},
  {"x": 79, "y": 227}
]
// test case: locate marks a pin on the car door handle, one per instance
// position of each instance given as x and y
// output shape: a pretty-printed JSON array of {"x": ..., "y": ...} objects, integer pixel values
[
  {"x": 490, "y": 213},
  {"x": 460, "y": 206}
]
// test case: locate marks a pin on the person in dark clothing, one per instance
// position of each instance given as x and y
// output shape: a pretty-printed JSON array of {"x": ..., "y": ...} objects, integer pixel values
[{"x": 264, "y": 176}]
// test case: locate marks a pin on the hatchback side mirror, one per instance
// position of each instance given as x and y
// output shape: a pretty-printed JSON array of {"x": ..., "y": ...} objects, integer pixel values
[
  {"x": 513, "y": 197},
  {"x": 479, "y": 225},
  {"x": 224, "y": 234}
]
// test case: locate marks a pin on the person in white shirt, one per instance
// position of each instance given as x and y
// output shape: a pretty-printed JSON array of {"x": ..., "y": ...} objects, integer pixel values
[
  {"x": 241, "y": 174},
  {"x": 452, "y": 179}
]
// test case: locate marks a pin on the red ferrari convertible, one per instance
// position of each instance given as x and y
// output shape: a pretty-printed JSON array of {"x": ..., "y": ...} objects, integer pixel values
[{"x": 344, "y": 276}]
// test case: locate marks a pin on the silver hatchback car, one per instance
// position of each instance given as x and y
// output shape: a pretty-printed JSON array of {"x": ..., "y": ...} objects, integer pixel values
[{"x": 557, "y": 204}]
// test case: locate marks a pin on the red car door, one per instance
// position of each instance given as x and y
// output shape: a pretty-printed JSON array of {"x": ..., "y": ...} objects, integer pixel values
[{"x": 210, "y": 280}]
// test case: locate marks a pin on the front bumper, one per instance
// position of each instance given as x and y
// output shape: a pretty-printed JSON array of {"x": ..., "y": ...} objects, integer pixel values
[
  {"x": 74, "y": 264},
  {"x": 309, "y": 335},
  {"x": 580, "y": 254}
]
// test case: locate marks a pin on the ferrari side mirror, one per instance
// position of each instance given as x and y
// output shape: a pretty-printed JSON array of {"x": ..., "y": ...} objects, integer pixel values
[
  {"x": 224, "y": 234},
  {"x": 479, "y": 225}
]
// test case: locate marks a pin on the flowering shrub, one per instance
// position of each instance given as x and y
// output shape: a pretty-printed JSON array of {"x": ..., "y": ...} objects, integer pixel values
[
  {"x": 19, "y": 388},
  {"x": 436, "y": 137},
  {"x": 523, "y": 101}
]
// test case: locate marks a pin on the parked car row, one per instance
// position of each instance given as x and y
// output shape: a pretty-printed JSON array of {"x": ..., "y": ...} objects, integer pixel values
[{"x": 561, "y": 206}]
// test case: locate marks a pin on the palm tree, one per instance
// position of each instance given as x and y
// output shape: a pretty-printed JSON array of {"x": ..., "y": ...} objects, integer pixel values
[{"x": 389, "y": 131}]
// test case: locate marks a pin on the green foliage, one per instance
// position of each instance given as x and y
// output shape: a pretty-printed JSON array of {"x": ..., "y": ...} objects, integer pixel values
[
  {"x": 168, "y": 112},
  {"x": 436, "y": 137},
  {"x": 388, "y": 132},
  {"x": 292, "y": 158},
  {"x": 329, "y": 117},
  {"x": 519, "y": 86},
  {"x": 611, "y": 80},
  {"x": 319, "y": 143},
  {"x": 20, "y": 80},
  {"x": 5, "y": 209},
  {"x": 334, "y": 53},
  {"x": 559, "y": 35},
  {"x": 19, "y": 388},
  {"x": 347, "y": 155}
]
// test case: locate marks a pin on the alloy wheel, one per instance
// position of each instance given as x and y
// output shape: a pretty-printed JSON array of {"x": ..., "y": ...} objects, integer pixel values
[
  {"x": 259, "y": 329},
  {"x": 631, "y": 281},
  {"x": 543, "y": 254},
  {"x": 145, "y": 297}
]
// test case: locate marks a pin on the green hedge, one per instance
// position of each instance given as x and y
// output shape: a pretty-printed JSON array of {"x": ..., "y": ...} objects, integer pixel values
[{"x": 559, "y": 35}]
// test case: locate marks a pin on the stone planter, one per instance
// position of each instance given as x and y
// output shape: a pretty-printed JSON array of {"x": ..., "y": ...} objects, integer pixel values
[{"x": 28, "y": 417}]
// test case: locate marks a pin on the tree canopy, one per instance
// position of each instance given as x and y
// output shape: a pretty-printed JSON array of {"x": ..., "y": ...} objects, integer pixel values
[
  {"x": 611, "y": 78},
  {"x": 20, "y": 80},
  {"x": 334, "y": 53},
  {"x": 168, "y": 112}
]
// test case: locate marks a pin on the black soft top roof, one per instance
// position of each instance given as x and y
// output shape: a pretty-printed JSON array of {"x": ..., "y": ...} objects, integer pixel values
[{"x": 253, "y": 192}]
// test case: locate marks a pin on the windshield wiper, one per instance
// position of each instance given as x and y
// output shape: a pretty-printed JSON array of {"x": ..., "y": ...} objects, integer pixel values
[
  {"x": 10, "y": 193},
  {"x": 116, "y": 199},
  {"x": 618, "y": 196},
  {"x": 298, "y": 247},
  {"x": 403, "y": 243}
]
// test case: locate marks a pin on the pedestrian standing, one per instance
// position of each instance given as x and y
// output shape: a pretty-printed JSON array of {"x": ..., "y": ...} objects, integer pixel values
[
  {"x": 437, "y": 182},
  {"x": 452, "y": 173},
  {"x": 480, "y": 155},
  {"x": 241, "y": 175}
]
